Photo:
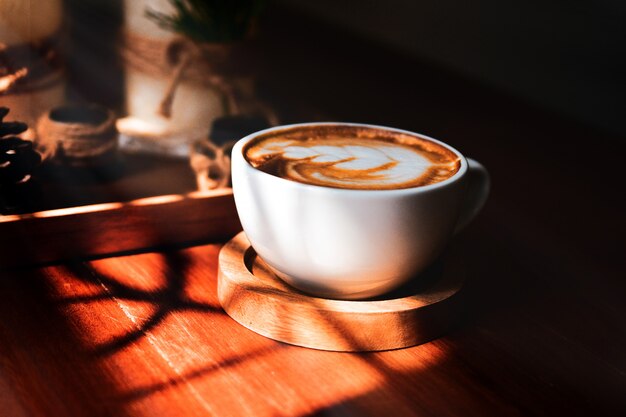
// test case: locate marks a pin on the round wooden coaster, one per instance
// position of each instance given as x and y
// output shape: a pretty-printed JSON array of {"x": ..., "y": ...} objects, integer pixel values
[{"x": 254, "y": 297}]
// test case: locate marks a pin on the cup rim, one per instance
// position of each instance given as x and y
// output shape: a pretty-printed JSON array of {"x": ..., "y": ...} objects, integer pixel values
[{"x": 238, "y": 152}]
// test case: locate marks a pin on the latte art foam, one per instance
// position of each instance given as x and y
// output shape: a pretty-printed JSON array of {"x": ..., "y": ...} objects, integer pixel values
[{"x": 352, "y": 157}]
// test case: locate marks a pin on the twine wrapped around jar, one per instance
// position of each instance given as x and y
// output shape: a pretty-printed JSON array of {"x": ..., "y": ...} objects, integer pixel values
[
  {"x": 77, "y": 135},
  {"x": 213, "y": 65}
]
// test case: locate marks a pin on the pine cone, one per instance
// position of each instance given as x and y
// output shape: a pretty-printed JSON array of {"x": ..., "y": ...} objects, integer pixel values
[{"x": 18, "y": 159}]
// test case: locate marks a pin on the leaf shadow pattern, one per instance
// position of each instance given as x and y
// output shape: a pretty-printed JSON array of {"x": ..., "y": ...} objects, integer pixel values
[
  {"x": 167, "y": 300},
  {"x": 171, "y": 298}
]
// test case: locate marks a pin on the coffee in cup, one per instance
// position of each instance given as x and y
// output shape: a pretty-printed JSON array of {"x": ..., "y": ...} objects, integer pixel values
[
  {"x": 351, "y": 211},
  {"x": 351, "y": 157}
]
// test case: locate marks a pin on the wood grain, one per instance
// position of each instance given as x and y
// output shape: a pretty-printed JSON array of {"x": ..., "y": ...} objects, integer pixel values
[
  {"x": 144, "y": 335},
  {"x": 254, "y": 297}
]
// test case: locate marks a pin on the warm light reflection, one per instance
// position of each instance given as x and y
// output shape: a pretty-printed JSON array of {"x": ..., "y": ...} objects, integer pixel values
[
  {"x": 162, "y": 199},
  {"x": 209, "y": 193},
  {"x": 78, "y": 210},
  {"x": 13, "y": 217},
  {"x": 8, "y": 80},
  {"x": 136, "y": 126},
  {"x": 148, "y": 201},
  {"x": 148, "y": 277}
]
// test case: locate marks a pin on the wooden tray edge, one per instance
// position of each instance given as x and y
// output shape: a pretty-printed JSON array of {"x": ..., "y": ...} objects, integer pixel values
[{"x": 100, "y": 229}]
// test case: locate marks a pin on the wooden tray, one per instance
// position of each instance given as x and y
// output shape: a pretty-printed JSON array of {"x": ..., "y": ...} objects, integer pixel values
[
  {"x": 106, "y": 228},
  {"x": 253, "y": 296},
  {"x": 139, "y": 201}
]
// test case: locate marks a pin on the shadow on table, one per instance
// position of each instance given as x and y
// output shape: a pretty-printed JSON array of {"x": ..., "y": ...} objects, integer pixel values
[
  {"x": 478, "y": 366},
  {"x": 169, "y": 299}
]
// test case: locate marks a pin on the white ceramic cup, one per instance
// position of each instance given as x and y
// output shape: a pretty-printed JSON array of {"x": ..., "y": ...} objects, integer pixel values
[{"x": 352, "y": 244}]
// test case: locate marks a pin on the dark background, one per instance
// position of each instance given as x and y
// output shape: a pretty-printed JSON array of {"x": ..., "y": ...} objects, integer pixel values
[{"x": 566, "y": 57}]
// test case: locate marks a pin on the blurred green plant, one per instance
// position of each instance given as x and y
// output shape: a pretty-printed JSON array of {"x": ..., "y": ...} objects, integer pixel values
[{"x": 209, "y": 20}]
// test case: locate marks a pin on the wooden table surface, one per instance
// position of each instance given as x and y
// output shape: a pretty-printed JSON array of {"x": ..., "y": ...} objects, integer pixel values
[{"x": 544, "y": 333}]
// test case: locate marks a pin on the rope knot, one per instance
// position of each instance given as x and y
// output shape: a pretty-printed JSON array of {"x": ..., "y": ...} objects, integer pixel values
[{"x": 213, "y": 65}]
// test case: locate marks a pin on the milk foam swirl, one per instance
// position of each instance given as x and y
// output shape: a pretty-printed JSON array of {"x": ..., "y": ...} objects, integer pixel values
[{"x": 354, "y": 160}]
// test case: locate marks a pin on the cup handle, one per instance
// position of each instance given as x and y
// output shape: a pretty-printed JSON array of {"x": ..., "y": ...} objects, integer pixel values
[{"x": 476, "y": 195}]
